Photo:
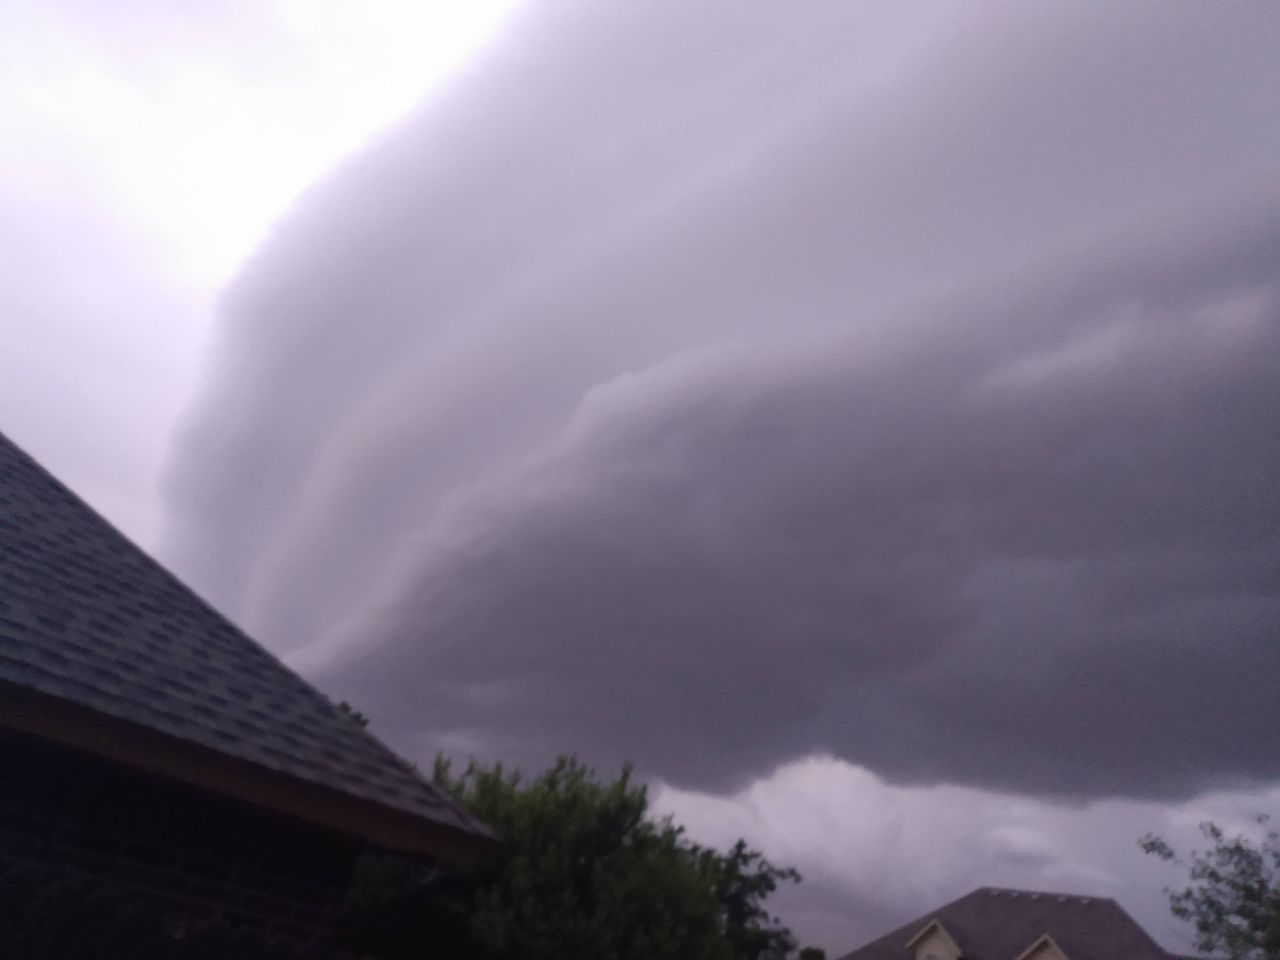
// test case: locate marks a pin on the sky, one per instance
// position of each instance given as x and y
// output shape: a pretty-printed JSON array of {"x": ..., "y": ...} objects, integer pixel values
[{"x": 861, "y": 417}]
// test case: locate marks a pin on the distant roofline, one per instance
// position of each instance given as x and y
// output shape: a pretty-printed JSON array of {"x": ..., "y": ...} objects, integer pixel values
[
  {"x": 1089, "y": 898},
  {"x": 81, "y": 728},
  {"x": 924, "y": 922}
]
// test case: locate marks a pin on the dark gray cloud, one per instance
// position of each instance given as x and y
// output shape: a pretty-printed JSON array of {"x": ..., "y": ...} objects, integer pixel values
[
  {"x": 712, "y": 390},
  {"x": 1042, "y": 569}
]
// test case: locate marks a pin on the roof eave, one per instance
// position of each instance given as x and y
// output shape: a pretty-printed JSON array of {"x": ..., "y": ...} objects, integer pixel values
[{"x": 78, "y": 727}]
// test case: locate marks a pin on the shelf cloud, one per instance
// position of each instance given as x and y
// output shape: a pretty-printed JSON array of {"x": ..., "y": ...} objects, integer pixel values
[{"x": 890, "y": 382}]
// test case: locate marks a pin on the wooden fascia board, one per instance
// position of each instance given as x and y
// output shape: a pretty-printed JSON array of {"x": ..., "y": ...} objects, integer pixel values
[{"x": 112, "y": 738}]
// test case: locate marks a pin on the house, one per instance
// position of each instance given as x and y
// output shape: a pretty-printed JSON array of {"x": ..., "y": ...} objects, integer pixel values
[
  {"x": 167, "y": 787},
  {"x": 997, "y": 924}
]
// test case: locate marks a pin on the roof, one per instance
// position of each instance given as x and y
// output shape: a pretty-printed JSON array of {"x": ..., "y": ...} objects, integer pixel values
[
  {"x": 90, "y": 623},
  {"x": 993, "y": 923}
]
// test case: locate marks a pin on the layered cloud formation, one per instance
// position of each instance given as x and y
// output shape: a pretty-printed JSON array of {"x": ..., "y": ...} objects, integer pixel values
[{"x": 712, "y": 388}]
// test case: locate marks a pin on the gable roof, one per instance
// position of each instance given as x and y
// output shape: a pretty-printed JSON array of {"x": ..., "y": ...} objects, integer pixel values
[
  {"x": 1045, "y": 944},
  {"x": 103, "y": 649},
  {"x": 934, "y": 926},
  {"x": 992, "y": 923}
]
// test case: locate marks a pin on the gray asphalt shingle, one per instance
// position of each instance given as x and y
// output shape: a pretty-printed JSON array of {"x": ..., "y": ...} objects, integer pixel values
[
  {"x": 87, "y": 616},
  {"x": 992, "y": 923}
]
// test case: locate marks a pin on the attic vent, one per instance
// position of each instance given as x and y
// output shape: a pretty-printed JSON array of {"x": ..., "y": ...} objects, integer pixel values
[
  {"x": 1033, "y": 896},
  {"x": 1062, "y": 899},
  {"x": 1013, "y": 893}
]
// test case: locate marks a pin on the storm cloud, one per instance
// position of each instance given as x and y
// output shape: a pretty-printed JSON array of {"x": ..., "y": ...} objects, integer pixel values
[{"x": 713, "y": 388}]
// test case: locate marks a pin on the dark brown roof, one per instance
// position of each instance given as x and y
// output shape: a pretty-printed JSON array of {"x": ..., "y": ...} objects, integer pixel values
[
  {"x": 87, "y": 619},
  {"x": 997, "y": 924}
]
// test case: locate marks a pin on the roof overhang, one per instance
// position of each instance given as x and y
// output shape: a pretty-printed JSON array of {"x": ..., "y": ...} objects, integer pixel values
[{"x": 112, "y": 738}]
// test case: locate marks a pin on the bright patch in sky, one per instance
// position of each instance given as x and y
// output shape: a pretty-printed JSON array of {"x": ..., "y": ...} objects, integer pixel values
[
  {"x": 148, "y": 148},
  {"x": 203, "y": 132}
]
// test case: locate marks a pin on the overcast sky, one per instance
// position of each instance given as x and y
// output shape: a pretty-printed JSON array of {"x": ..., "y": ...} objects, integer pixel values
[{"x": 863, "y": 417}]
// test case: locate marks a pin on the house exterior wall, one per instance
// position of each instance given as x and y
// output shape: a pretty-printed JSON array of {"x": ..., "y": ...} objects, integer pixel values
[{"x": 99, "y": 861}]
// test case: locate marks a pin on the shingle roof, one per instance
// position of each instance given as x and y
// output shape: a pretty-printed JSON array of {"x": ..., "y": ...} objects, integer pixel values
[
  {"x": 88, "y": 617},
  {"x": 997, "y": 924}
]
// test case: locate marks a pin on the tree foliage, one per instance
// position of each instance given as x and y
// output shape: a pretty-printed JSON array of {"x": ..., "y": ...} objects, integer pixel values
[
  {"x": 582, "y": 871},
  {"x": 1233, "y": 898}
]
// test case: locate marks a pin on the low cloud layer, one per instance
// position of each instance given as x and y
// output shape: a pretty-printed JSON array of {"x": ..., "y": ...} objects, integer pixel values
[
  {"x": 711, "y": 390},
  {"x": 874, "y": 856}
]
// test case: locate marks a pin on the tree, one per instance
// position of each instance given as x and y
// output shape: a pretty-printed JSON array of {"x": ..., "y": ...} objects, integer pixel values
[
  {"x": 1234, "y": 895},
  {"x": 581, "y": 870},
  {"x": 743, "y": 880}
]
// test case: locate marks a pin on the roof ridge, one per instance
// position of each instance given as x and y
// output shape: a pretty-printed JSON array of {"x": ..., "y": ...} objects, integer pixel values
[{"x": 1059, "y": 895}]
